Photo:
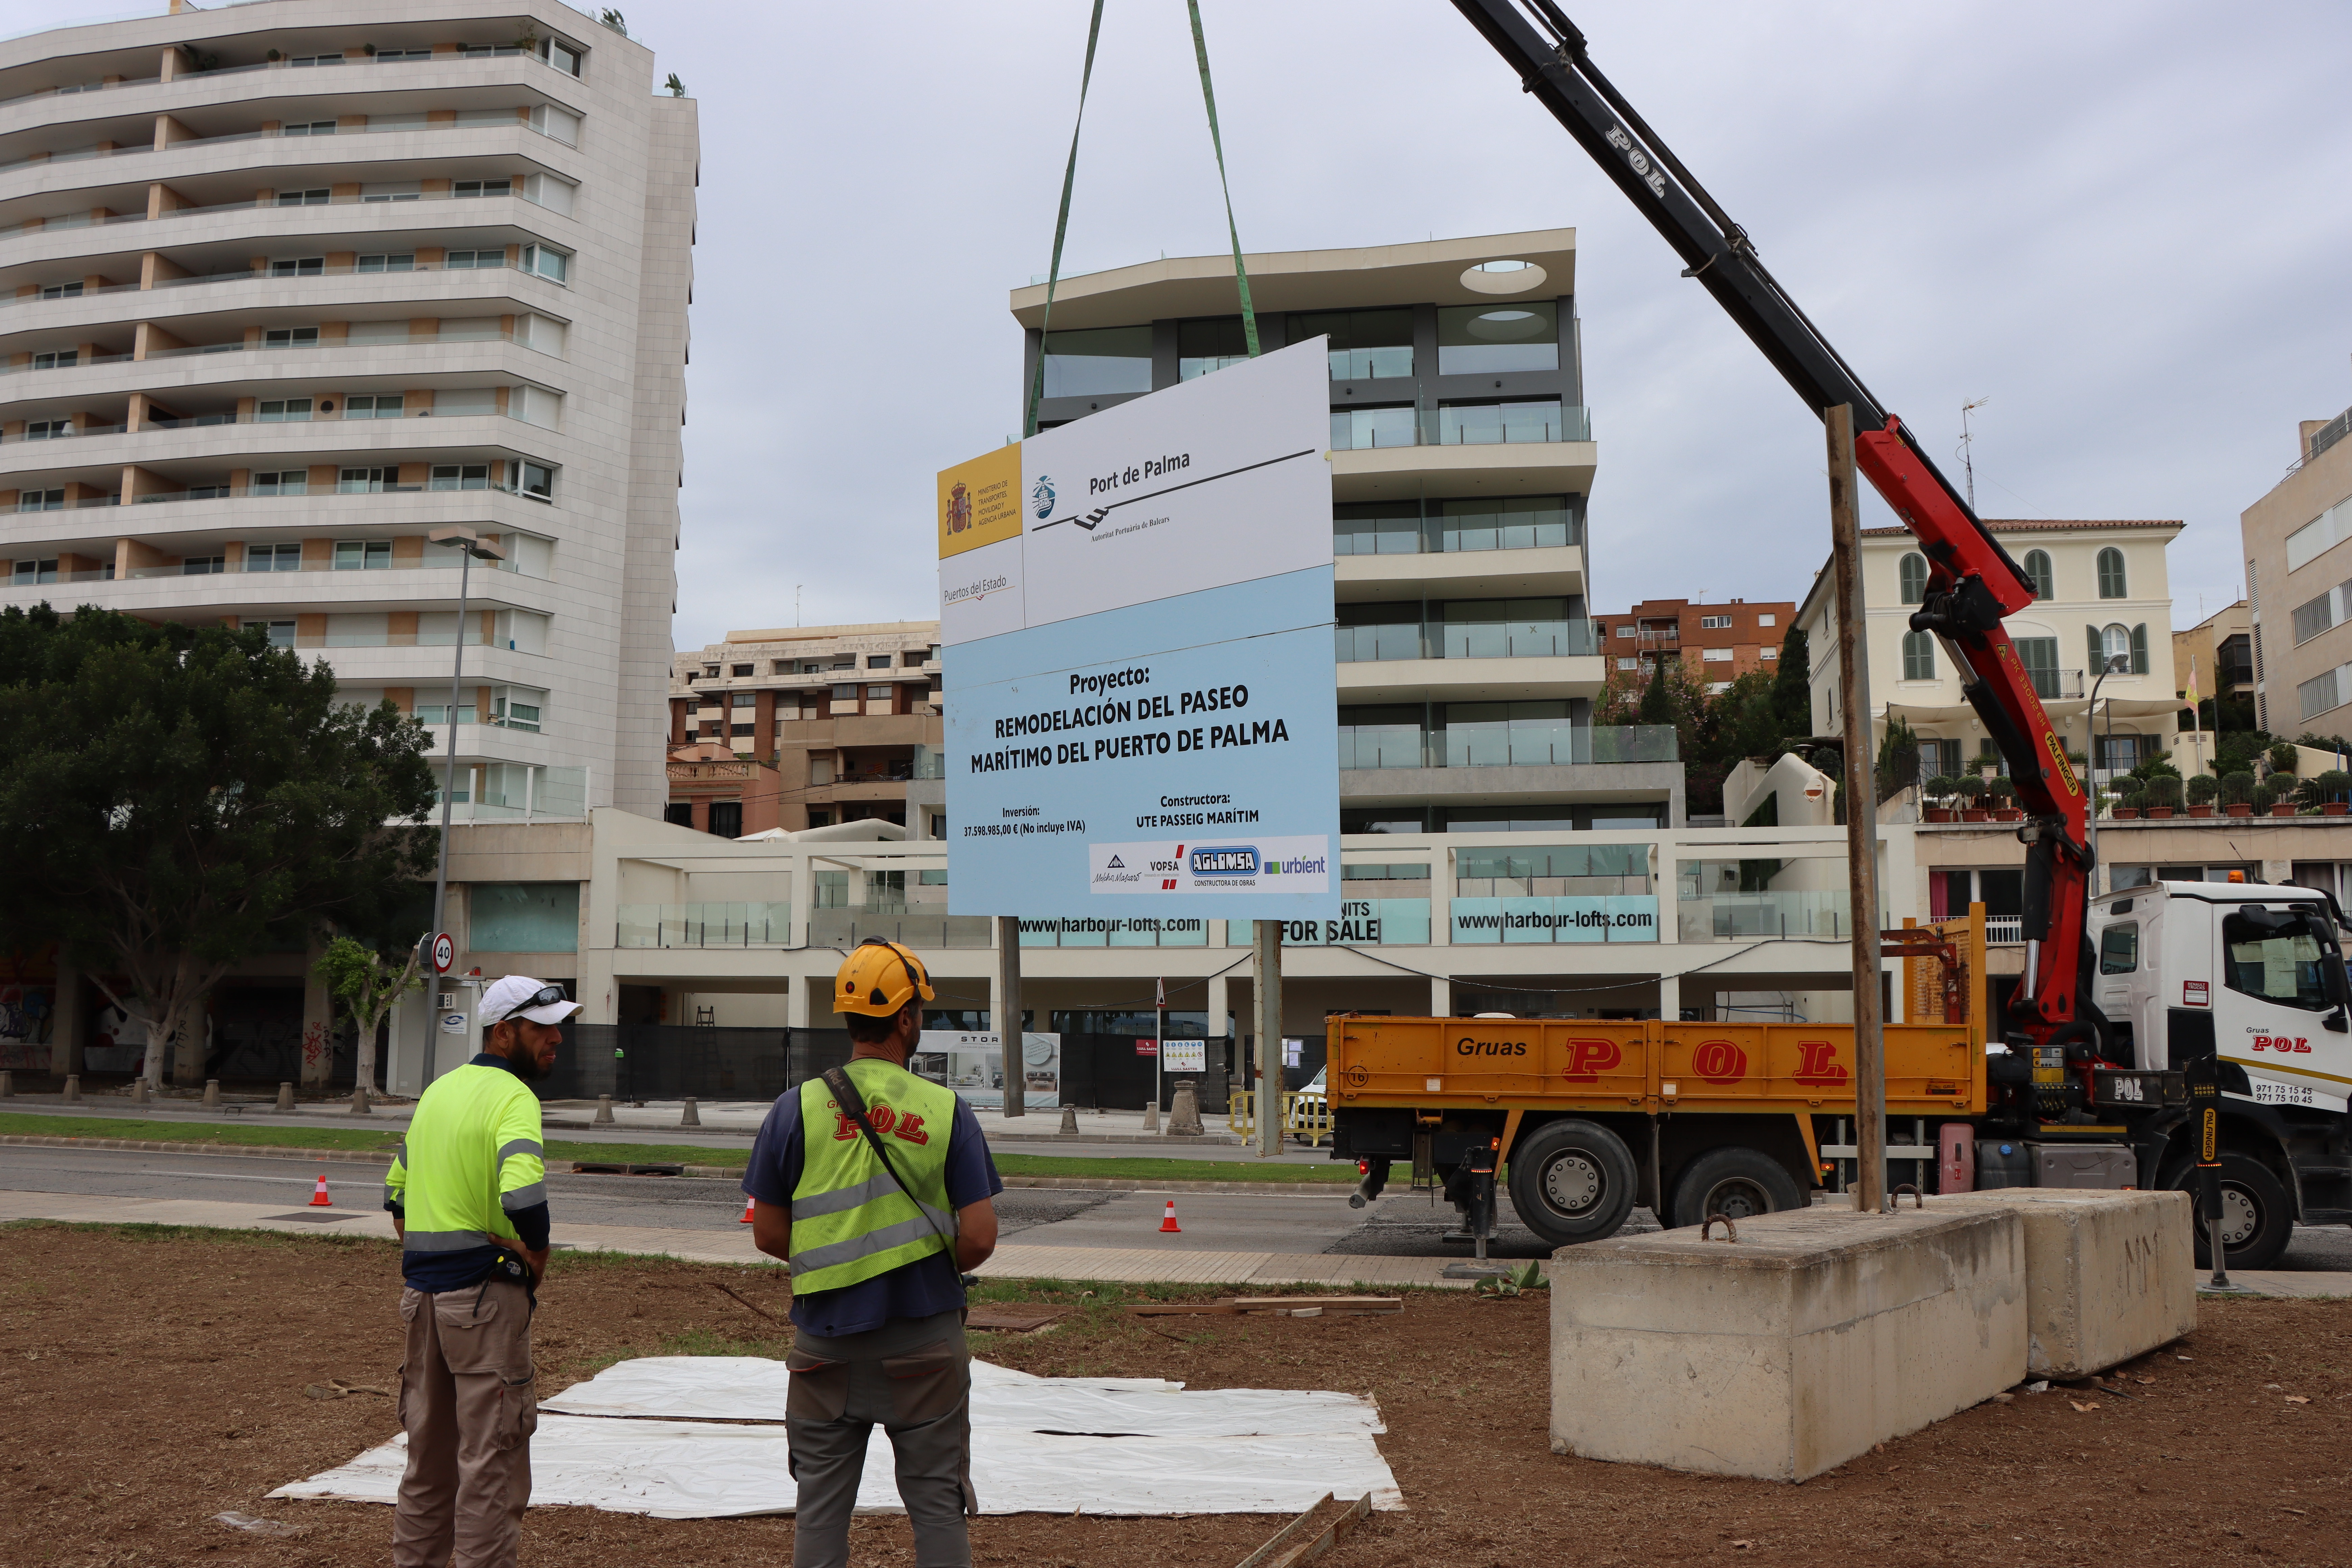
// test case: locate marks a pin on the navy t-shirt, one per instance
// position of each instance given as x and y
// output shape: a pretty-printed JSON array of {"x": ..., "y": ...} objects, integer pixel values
[{"x": 923, "y": 1289}]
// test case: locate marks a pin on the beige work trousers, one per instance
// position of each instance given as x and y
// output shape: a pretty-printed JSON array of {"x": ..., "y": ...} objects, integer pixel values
[{"x": 469, "y": 1404}]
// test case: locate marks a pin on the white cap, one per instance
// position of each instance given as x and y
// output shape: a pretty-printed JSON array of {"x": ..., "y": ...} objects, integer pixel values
[{"x": 506, "y": 998}]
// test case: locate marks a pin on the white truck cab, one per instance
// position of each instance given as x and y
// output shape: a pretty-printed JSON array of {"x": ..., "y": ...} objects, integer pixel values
[{"x": 2253, "y": 975}]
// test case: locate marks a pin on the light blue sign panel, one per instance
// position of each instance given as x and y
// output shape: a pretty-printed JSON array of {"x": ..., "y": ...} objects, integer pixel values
[
  {"x": 1365, "y": 922},
  {"x": 1135, "y": 763},
  {"x": 1618, "y": 918}
]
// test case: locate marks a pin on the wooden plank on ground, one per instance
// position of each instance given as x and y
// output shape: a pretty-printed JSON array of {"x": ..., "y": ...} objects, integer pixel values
[
  {"x": 1014, "y": 1317},
  {"x": 1332, "y": 1305},
  {"x": 1331, "y": 1534},
  {"x": 1177, "y": 1308},
  {"x": 1311, "y": 1534}
]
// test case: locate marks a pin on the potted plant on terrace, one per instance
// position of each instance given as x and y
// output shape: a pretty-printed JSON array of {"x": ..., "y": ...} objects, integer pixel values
[
  {"x": 2238, "y": 793},
  {"x": 2162, "y": 796},
  {"x": 2328, "y": 792},
  {"x": 2203, "y": 789},
  {"x": 1939, "y": 791},
  {"x": 2002, "y": 789},
  {"x": 2129, "y": 793},
  {"x": 2281, "y": 758},
  {"x": 1972, "y": 790}
]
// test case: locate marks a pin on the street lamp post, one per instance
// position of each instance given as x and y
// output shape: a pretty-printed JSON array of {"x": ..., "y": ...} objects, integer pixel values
[
  {"x": 471, "y": 548},
  {"x": 2114, "y": 664}
]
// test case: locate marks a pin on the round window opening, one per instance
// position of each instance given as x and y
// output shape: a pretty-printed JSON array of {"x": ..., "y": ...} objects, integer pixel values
[
  {"x": 1504, "y": 276},
  {"x": 1508, "y": 326}
]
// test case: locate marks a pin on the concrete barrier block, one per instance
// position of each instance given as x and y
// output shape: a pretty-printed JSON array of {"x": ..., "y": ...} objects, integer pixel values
[
  {"x": 2108, "y": 1275},
  {"x": 1818, "y": 1334}
]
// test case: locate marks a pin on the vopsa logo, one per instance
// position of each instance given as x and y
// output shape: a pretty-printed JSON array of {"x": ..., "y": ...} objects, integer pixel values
[{"x": 1230, "y": 861}]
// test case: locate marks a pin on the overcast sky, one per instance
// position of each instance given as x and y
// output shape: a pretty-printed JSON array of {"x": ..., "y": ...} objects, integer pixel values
[{"x": 2123, "y": 224}]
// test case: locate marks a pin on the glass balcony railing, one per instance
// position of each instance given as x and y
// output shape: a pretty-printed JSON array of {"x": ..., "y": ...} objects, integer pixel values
[
  {"x": 1520, "y": 745},
  {"x": 1823, "y": 914},
  {"x": 846, "y": 928},
  {"x": 704, "y": 925},
  {"x": 1460, "y": 531},
  {"x": 1458, "y": 425},
  {"x": 1465, "y": 639}
]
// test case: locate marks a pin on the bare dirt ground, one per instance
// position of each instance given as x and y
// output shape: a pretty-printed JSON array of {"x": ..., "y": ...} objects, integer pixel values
[{"x": 151, "y": 1379}]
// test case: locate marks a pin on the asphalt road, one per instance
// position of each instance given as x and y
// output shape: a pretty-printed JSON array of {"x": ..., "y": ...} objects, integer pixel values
[{"x": 1400, "y": 1225}]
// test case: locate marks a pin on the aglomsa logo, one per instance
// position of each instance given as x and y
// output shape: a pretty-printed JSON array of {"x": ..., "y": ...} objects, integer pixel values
[{"x": 1229, "y": 860}]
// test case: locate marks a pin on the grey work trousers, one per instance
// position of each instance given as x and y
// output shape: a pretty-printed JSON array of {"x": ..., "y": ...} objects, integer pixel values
[
  {"x": 469, "y": 1404},
  {"x": 913, "y": 1378}
]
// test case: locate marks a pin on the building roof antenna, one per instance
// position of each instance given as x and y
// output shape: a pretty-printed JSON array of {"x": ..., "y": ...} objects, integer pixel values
[{"x": 1968, "y": 444}]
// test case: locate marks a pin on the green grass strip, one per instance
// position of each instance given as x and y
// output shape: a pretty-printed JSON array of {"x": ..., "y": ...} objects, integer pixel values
[
  {"x": 563, "y": 1151},
  {"x": 228, "y": 1135}
]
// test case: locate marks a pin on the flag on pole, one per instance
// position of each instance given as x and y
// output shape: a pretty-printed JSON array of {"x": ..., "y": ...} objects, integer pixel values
[{"x": 2192, "y": 680}]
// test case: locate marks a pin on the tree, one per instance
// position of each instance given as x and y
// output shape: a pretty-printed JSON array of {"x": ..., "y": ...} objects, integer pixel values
[
  {"x": 367, "y": 983},
  {"x": 174, "y": 798},
  {"x": 1657, "y": 705},
  {"x": 1792, "y": 685}
]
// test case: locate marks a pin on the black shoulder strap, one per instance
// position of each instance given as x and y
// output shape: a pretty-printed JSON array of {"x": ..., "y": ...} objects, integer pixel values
[{"x": 853, "y": 1105}]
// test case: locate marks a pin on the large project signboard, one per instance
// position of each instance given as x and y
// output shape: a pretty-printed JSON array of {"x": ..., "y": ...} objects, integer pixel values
[{"x": 1135, "y": 614}]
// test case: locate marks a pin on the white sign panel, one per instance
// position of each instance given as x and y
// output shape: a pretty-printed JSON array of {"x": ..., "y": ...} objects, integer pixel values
[
  {"x": 1139, "y": 679},
  {"x": 971, "y": 1063}
]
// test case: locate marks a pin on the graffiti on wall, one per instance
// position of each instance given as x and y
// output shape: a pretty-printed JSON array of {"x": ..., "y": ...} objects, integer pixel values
[{"x": 28, "y": 1014}]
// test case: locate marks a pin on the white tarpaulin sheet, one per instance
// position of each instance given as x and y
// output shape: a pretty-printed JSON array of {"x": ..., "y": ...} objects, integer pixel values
[
  {"x": 1112, "y": 1446},
  {"x": 747, "y": 1388}
]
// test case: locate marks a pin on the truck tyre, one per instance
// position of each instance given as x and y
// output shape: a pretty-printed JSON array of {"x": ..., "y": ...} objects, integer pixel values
[
  {"x": 1740, "y": 1183},
  {"x": 1572, "y": 1181},
  {"x": 2257, "y": 1220}
]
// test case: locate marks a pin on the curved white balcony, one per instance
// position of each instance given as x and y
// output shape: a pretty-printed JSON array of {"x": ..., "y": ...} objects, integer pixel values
[
  {"x": 240, "y": 295},
  {"x": 455, "y": 151}
]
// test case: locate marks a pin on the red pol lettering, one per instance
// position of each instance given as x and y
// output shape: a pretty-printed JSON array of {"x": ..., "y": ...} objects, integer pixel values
[
  {"x": 1588, "y": 1059},
  {"x": 1817, "y": 1064},
  {"x": 1720, "y": 1061}
]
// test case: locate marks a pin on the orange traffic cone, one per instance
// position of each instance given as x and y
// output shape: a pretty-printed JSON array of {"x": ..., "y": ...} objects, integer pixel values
[
  {"x": 747, "y": 1213},
  {"x": 1168, "y": 1223},
  {"x": 320, "y": 1200}
]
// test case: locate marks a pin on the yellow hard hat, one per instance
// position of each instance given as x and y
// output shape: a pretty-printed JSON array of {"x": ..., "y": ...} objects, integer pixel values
[{"x": 880, "y": 977}]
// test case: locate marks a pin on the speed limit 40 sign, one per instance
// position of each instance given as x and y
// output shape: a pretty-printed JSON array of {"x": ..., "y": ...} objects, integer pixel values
[{"x": 445, "y": 953}]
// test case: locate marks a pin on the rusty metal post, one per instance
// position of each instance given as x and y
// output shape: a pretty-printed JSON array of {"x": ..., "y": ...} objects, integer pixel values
[
  {"x": 1007, "y": 1019},
  {"x": 1861, "y": 818}
]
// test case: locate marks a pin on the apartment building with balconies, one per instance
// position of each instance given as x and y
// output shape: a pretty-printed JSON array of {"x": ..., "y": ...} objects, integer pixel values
[
  {"x": 2299, "y": 591},
  {"x": 2102, "y": 598},
  {"x": 1715, "y": 644},
  {"x": 834, "y": 723},
  {"x": 1462, "y": 456},
  {"x": 287, "y": 286}
]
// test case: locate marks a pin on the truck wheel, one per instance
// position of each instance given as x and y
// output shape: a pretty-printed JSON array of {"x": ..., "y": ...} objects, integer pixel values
[
  {"x": 2257, "y": 1221},
  {"x": 1572, "y": 1181},
  {"x": 1740, "y": 1183}
]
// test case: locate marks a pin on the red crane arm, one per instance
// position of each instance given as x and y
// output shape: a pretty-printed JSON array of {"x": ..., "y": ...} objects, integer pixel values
[{"x": 1970, "y": 587}]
